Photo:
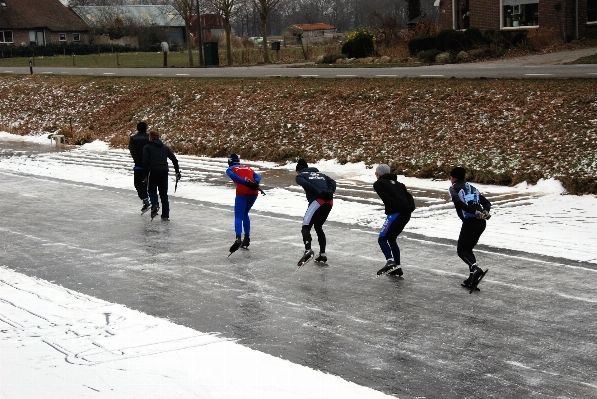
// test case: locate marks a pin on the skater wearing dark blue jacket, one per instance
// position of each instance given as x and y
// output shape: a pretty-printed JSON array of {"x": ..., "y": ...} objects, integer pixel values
[
  {"x": 247, "y": 189},
  {"x": 319, "y": 190},
  {"x": 399, "y": 204},
  {"x": 155, "y": 167},
  {"x": 473, "y": 209}
]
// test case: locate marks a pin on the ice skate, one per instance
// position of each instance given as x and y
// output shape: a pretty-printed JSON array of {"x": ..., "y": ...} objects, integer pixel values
[
  {"x": 476, "y": 278},
  {"x": 154, "y": 211},
  {"x": 234, "y": 247},
  {"x": 389, "y": 267},
  {"x": 246, "y": 242},
  {"x": 146, "y": 206},
  {"x": 467, "y": 283},
  {"x": 307, "y": 256},
  {"x": 321, "y": 258}
]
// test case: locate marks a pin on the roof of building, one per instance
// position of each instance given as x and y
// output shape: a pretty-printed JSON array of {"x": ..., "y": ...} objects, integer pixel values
[
  {"x": 28, "y": 14},
  {"x": 165, "y": 15},
  {"x": 318, "y": 26}
]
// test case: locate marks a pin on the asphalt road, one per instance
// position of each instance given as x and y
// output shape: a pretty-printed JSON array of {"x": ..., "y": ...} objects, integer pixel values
[
  {"x": 534, "y": 66},
  {"x": 530, "y": 332}
]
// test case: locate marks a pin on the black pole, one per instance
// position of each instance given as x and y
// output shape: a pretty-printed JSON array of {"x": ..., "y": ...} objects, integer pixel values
[
  {"x": 30, "y": 67},
  {"x": 199, "y": 40}
]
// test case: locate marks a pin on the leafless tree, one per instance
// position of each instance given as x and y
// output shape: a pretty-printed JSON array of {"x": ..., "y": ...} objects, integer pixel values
[
  {"x": 186, "y": 9},
  {"x": 227, "y": 8},
  {"x": 265, "y": 8}
]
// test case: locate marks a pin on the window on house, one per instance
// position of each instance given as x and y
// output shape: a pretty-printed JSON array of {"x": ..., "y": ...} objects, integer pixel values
[
  {"x": 76, "y": 37},
  {"x": 62, "y": 37},
  {"x": 520, "y": 13},
  {"x": 6, "y": 36},
  {"x": 592, "y": 11}
]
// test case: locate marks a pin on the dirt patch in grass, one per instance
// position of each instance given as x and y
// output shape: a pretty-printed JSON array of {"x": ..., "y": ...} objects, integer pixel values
[{"x": 503, "y": 132}]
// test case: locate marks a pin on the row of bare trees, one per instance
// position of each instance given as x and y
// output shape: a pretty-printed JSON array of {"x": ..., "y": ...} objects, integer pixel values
[{"x": 270, "y": 17}]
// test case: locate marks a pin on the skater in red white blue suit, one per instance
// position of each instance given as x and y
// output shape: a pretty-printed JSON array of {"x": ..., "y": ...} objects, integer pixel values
[{"x": 247, "y": 190}]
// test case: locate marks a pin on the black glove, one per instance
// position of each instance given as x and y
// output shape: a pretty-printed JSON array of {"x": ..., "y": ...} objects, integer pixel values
[
  {"x": 251, "y": 184},
  {"x": 178, "y": 176},
  {"x": 326, "y": 195}
]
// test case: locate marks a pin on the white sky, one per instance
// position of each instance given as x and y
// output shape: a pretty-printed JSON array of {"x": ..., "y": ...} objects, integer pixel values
[{"x": 114, "y": 352}]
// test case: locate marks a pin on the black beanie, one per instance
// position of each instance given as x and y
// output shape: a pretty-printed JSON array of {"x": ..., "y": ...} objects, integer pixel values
[
  {"x": 233, "y": 159},
  {"x": 458, "y": 173},
  {"x": 142, "y": 127},
  {"x": 301, "y": 164}
]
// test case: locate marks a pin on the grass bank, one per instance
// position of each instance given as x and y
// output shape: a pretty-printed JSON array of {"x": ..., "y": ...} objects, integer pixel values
[{"x": 503, "y": 132}]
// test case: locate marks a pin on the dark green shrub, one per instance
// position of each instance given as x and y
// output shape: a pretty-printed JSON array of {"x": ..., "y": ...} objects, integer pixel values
[
  {"x": 418, "y": 44},
  {"x": 475, "y": 37},
  {"x": 452, "y": 40},
  {"x": 359, "y": 44}
]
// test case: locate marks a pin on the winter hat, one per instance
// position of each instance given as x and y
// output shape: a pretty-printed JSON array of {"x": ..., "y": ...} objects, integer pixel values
[
  {"x": 458, "y": 173},
  {"x": 142, "y": 127},
  {"x": 301, "y": 164},
  {"x": 233, "y": 159},
  {"x": 382, "y": 169}
]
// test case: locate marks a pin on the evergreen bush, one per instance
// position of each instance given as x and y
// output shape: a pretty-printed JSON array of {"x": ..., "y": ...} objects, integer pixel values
[{"x": 359, "y": 44}]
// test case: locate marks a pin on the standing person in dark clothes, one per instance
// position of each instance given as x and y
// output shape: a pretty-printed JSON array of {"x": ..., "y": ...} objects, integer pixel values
[
  {"x": 136, "y": 144},
  {"x": 319, "y": 190},
  {"x": 473, "y": 209},
  {"x": 155, "y": 167},
  {"x": 247, "y": 190},
  {"x": 399, "y": 204}
]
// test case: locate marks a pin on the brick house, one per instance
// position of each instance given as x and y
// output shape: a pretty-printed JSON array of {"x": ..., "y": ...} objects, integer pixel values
[
  {"x": 39, "y": 22},
  {"x": 575, "y": 19}
]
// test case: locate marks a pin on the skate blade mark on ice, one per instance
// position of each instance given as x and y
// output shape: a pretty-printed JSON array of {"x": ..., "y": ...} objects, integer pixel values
[{"x": 474, "y": 286}]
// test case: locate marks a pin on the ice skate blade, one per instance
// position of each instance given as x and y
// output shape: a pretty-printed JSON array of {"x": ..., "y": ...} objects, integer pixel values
[
  {"x": 388, "y": 271},
  {"x": 473, "y": 287}
]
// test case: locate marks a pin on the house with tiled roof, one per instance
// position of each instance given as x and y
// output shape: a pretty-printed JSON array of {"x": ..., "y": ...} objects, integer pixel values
[
  {"x": 308, "y": 33},
  {"x": 40, "y": 22}
]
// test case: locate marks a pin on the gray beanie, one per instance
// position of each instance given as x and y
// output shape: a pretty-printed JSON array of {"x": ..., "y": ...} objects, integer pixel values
[{"x": 382, "y": 169}]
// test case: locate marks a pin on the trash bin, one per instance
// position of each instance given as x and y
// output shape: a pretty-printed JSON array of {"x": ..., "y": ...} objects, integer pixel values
[
  {"x": 210, "y": 52},
  {"x": 275, "y": 46}
]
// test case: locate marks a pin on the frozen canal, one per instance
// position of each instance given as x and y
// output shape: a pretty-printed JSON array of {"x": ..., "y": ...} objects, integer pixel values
[{"x": 530, "y": 332}]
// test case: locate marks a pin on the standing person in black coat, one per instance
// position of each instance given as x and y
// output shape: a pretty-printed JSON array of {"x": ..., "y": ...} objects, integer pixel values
[
  {"x": 136, "y": 144},
  {"x": 155, "y": 167},
  {"x": 473, "y": 209},
  {"x": 399, "y": 204},
  {"x": 319, "y": 189}
]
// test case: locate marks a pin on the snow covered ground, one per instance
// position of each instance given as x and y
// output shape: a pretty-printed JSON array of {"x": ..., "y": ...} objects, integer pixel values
[{"x": 44, "y": 324}]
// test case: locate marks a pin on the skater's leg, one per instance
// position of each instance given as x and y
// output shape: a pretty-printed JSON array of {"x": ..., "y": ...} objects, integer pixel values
[
  {"x": 306, "y": 232},
  {"x": 240, "y": 203},
  {"x": 469, "y": 237},
  {"x": 319, "y": 218},
  {"x": 152, "y": 189},
  {"x": 163, "y": 188},
  {"x": 249, "y": 201},
  {"x": 308, "y": 223},
  {"x": 385, "y": 236},
  {"x": 138, "y": 181}
]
